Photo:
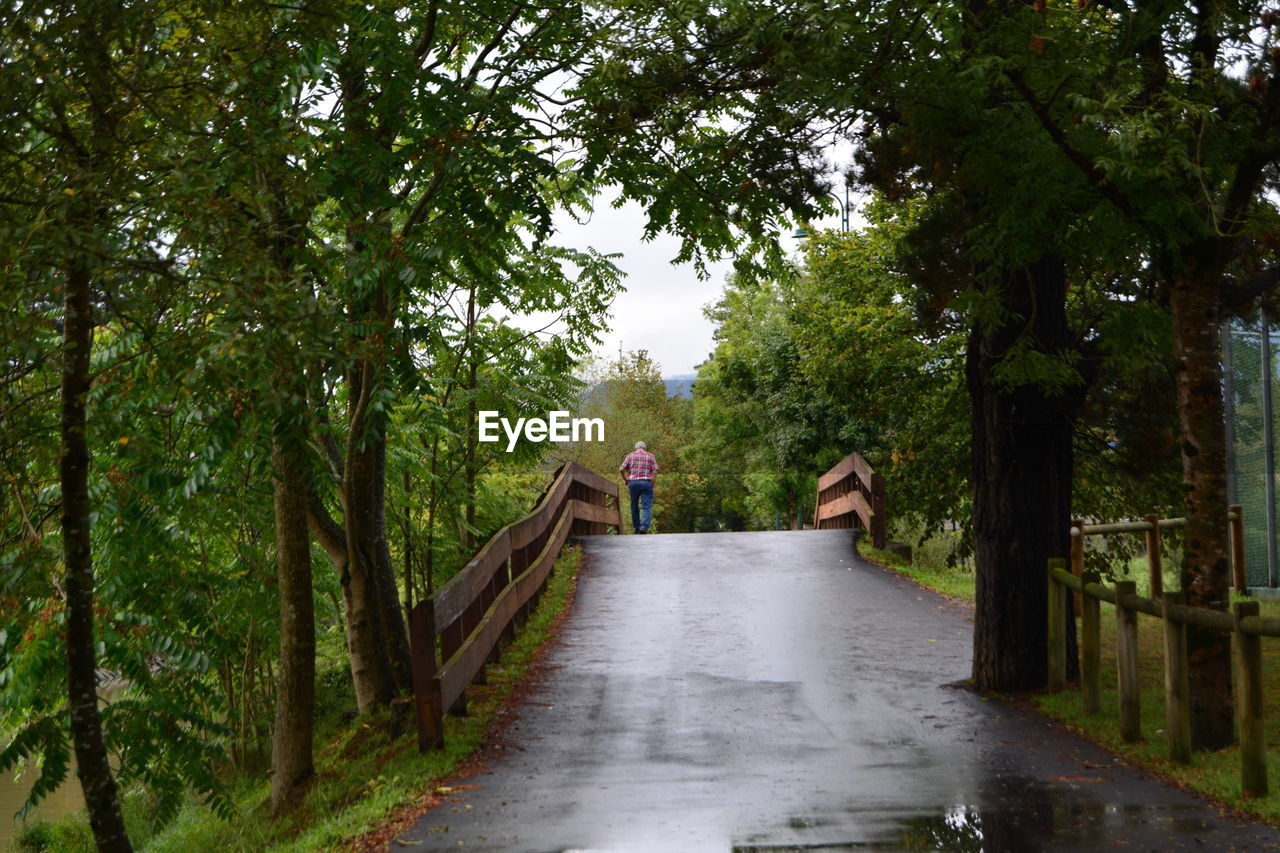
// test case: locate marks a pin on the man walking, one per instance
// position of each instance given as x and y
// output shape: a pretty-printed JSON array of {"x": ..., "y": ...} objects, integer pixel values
[{"x": 639, "y": 469}]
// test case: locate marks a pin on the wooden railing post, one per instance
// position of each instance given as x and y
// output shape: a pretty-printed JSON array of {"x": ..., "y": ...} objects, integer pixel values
[
  {"x": 1090, "y": 646},
  {"x": 1237, "y": 549},
  {"x": 1077, "y": 557},
  {"x": 1155, "y": 563},
  {"x": 426, "y": 687},
  {"x": 879, "y": 534},
  {"x": 1127, "y": 664},
  {"x": 1253, "y": 737},
  {"x": 1057, "y": 629},
  {"x": 1177, "y": 705}
]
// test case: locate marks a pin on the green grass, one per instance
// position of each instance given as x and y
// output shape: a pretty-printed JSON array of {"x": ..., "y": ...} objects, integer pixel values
[
  {"x": 363, "y": 777},
  {"x": 953, "y": 581}
]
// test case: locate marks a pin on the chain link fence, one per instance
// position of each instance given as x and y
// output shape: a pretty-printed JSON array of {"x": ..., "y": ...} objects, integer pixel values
[{"x": 1246, "y": 351}]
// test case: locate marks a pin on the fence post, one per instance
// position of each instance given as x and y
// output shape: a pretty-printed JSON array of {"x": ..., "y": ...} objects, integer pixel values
[
  {"x": 1253, "y": 738},
  {"x": 879, "y": 527},
  {"x": 426, "y": 687},
  {"x": 1127, "y": 664},
  {"x": 1177, "y": 707},
  {"x": 1237, "y": 550},
  {"x": 1090, "y": 646},
  {"x": 1057, "y": 628},
  {"x": 1077, "y": 558},
  {"x": 1155, "y": 563}
]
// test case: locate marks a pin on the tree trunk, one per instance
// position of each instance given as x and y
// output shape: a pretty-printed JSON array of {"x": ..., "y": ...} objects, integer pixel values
[
  {"x": 292, "y": 737},
  {"x": 366, "y": 635},
  {"x": 470, "y": 431},
  {"x": 1022, "y": 467},
  {"x": 395, "y": 629},
  {"x": 92, "y": 765},
  {"x": 1206, "y": 573},
  {"x": 406, "y": 526}
]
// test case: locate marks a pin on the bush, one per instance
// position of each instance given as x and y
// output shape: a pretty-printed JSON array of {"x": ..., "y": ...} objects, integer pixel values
[{"x": 69, "y": 834}]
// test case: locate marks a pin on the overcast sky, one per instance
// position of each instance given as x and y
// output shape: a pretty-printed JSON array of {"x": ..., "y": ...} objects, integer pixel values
[{"x": 661, "y": 308}]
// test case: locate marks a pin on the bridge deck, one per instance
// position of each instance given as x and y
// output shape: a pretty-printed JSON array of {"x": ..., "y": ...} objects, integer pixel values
[{"x": 768, "y": 691}]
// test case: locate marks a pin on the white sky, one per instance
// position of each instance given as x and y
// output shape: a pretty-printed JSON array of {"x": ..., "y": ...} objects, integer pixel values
[{"x": 661, "y": 308}]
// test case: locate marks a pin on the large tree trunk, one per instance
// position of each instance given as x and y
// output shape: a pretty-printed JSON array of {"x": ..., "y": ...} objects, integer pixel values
[
  {"x": 92, "y": 766},
  {"x": 1022, "y": 467},
  {"x": 378, "y": 637},
  {"x": 1206, "y": 574},
  {"x": 292, "y": 737},
  {"x": 366, "y": 636},
  {"x": 333, "y": 538}
]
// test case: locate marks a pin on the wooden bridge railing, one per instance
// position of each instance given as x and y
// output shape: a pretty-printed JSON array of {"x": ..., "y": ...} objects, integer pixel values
[
  {"x": 852, "y": 495},
  {"x": 469, "y": 617},
  {"x": 1245, "y": 623}
]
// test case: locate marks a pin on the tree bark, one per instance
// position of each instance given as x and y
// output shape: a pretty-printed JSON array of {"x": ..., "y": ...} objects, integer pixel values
[
  {"x": 366, "y": 637},
  {"x": 292, "y": 737},
  {"x": 1022, "y": 468},
  {"x": 1206, "y": 572},
  {"x": 88, "y": 164},
  {"x": 396, "y": 631},
  {"x": 92, "y": 766},
  {"x": 470, "y": 433}
]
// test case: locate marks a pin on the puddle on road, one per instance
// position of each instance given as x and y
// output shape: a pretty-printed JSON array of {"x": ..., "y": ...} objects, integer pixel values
[
  {"x": 959, "y": 830},
  {"x": 1017, "y": 814}
]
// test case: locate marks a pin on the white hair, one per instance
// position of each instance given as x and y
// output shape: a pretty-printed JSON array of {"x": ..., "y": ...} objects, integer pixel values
[{"x": 640, "y": 445}]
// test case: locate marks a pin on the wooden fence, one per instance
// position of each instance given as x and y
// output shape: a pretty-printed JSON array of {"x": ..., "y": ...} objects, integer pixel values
[
  {"x": 852, "y": 495},
  {"x": 479, "y": 609},
  {"x": 1150, "y": 527},
  {"x": 1244, "y": 622}
]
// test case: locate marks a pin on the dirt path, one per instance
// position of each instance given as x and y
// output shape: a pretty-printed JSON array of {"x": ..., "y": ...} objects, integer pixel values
[{"x": 769, "y": 692}]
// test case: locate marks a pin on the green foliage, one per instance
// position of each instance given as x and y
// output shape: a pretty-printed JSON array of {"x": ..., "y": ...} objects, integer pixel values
[
  {"x": 754, "y": 409},
  {"x": 888, "y": 360},
  {"x": 284, "y": 197},
  {"x": 364, "y": 776},
  {"x": 631, "y": 399},
  {"x": 848, "y": 351},
  {"x": 65, "y": 835}
]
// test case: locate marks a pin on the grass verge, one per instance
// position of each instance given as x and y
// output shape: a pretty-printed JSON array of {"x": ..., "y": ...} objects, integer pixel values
[
  {"x": 951, "y": 582},
  {"x": 364, "y": 780}
]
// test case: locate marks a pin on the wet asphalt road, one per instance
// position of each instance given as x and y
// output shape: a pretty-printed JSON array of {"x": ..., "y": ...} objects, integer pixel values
[{"x": 770, "y": 692}]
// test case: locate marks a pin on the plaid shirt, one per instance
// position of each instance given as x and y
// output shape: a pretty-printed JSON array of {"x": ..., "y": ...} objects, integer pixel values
[{"x": 639, "y": 465}]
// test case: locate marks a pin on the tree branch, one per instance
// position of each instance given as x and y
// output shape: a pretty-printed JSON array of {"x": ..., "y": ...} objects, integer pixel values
[
  {"x": 1237, "y": 294},
  {"x": 1092, "y": 172}
]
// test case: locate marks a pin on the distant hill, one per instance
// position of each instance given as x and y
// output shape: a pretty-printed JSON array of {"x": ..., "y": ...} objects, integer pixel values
[{"x": 680, "y": 385}]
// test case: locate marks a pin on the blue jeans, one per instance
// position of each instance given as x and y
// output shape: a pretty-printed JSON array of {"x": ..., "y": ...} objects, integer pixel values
[{"x": 641, "y": 504}]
